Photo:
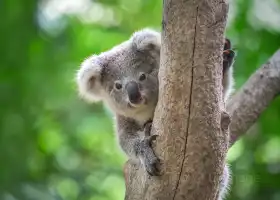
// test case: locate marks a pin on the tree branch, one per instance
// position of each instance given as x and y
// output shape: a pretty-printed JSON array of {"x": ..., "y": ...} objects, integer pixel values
[
  {"x": 251, "y": 100},
  {"x": 189, "y": 117}
]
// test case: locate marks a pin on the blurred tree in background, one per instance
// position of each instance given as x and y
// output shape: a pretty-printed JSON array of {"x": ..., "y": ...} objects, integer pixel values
[{"x": 54, "y": 146}]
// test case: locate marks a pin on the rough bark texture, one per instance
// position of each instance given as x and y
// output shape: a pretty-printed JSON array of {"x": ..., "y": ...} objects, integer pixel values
[
  {"x": 189, "y": 118},
  {"x": 251, "y": 100}
]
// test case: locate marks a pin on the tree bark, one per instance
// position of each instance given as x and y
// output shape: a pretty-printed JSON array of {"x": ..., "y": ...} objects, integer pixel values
[{"x": 190, "y": 118}]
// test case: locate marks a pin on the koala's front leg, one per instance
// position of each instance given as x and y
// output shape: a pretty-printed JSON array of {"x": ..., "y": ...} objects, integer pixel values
[
  {"x": 147, "y": 155},
  {"x": 138, "y": 144}
]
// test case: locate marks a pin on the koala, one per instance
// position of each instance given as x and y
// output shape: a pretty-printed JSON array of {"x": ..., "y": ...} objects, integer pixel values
[{"x": 125, "y": 78}]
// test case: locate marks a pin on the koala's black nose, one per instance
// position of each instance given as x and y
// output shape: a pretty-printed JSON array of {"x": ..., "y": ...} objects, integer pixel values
[{"x": 133, "y": 92}]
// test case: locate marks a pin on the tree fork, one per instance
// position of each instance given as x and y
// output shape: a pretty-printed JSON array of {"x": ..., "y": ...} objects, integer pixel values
[{"x": 189, "y": 118}]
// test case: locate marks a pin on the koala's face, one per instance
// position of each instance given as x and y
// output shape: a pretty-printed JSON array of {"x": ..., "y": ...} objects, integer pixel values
[{"x": 125, "y": 77}]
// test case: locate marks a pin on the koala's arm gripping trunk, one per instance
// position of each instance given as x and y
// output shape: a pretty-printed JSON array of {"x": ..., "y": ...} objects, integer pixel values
[{"x": 136, "y": 143}]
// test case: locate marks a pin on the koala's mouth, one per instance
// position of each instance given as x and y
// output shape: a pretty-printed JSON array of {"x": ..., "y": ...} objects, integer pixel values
[{"x": 142, "y": 101}]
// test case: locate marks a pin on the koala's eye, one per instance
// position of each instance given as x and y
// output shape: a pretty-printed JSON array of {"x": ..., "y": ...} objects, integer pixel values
[
  {"x": 142, "y": 77},
  {"x": 118, "y": 86}
]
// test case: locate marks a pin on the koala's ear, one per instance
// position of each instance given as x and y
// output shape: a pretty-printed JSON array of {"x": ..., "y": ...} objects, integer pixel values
[
  {"x": 147, "y": 40},
  {"x": 88, "y": 79}
]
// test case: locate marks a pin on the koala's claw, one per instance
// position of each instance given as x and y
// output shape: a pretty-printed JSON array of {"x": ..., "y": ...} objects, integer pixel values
[
  {"x": 152, "y": 138},
  {"x": 228, "y": 54},
  {"x": 147, "y": 128},
  {"x": 147, "y": 131},
  {"x": 152, "y": 168},
  {"x": 227, "y": 44},
  {"x": 228, "y": 58}
]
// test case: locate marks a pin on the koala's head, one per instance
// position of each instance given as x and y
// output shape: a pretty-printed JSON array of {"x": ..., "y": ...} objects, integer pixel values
[{"x": 126, "y": 76}]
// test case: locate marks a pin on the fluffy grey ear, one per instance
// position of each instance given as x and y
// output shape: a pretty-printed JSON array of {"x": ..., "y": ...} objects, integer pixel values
[
  {"x": 88, "y": 79},
  {"x": 147, "y": 40}
]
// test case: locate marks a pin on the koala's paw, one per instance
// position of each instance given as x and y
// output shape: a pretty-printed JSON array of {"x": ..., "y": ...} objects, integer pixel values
[
  {"x": 227, "y": 44},
  {"x": 146, "y": 153},
  {"x": 228, "y": 58},
  {"x": 148, "y": 157}
]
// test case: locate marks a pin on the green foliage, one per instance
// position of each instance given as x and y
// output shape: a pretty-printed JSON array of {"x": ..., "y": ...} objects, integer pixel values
[{"x": 54, "y": 146}]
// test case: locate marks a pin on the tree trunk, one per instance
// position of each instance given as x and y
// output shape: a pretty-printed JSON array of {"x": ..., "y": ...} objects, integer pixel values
[{"x": 190, "y": 118}]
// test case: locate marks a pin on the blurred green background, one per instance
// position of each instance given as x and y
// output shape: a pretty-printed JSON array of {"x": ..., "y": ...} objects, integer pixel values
[{"x": 53, "y": 146}]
